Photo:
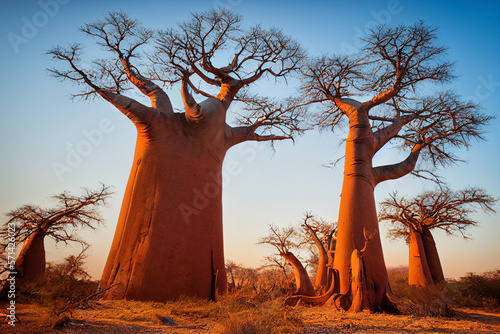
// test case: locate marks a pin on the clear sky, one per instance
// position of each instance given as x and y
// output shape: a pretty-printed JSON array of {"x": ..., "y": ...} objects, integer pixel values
[{"x": 40, "y": 124}]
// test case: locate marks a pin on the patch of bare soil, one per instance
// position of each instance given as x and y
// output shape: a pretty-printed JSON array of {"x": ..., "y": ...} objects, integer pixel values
[{"x": 134, "y": 317}]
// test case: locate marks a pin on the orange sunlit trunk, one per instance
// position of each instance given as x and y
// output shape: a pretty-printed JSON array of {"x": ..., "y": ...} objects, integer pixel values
[
  {"x": 302, "y": 280},
  {"x": 169, "y": 240},
  {"x": 418, "y": 269},
  {"x": 31, "y": 260},
  {"x": 358, "y": 213},
  {"x": 432, "y": 257}
]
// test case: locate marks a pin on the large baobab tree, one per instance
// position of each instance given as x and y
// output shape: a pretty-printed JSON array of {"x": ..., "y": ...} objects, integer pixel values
[
  {"x": 30, "y": 225},
  {"x": 414, "y": 218},
  {"x": 168, "y": 241},
  {"x": 390, "y": 77}
]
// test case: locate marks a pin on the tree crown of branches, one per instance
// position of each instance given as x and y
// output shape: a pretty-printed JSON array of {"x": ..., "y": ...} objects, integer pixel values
[
  {"x": 60, "y": 222},
  {"x": 211, "y": 46},
  {"x": 439, "y": 209},
  {"x": 393, "y": 71}
]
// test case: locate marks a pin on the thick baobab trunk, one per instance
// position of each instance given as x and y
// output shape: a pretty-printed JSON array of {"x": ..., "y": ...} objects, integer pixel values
[
  {"x": 169, "y": 240},
  {"x": 31, "y": 260},
  {"x": 418, "y": 269},
  {"x": 358, "y": 213},
  {"x": 432, "y": 257},
  {"x": 302, "y": 280}
]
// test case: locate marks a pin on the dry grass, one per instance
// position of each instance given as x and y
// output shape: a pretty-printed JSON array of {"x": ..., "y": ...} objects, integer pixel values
[
  {"x": 257, "y": 310},
  {"x": 241, "y": 313}
]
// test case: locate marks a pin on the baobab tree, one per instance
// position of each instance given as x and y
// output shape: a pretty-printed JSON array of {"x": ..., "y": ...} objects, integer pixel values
[
  {"x": 315, "y": 231},
  {"x": 168, "y": 240},
  {"x": 30, "y": 225},
  {"x": 390, "y": 76},
  {"x": 322, "y": 234},
  {"x": 414, "y": 218},
  {"x": 286, "y": 240}
]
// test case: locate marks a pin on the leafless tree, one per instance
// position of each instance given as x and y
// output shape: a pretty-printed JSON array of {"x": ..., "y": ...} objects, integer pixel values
[
  {"x": 286, "y": 240},
  {"x": 175, "y": 185},
  {"x": 321, "y": 233},
  {"x": 414, "y": 218},
  {"x": 392, "y": 73},
  {"x": 30, "y": 225}
]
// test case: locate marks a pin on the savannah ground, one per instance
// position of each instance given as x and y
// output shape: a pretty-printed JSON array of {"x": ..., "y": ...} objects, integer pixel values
[{"x": 241, "y": 313}]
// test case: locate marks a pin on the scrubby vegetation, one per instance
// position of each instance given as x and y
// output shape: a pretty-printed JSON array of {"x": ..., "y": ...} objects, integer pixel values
[
  {"x": 479, "y": 291},
  {"x": 256, "y": 305},
  {"x": 63, "y": 287},
  {"x": 471, "y": 291}
]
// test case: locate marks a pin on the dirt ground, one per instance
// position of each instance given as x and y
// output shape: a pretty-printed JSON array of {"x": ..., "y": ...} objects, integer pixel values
[{"x": 114, "y": 317}]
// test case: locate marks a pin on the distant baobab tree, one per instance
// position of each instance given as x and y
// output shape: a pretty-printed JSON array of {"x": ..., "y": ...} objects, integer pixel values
[
  {"x": 414, "y": 218},
  {"x": 30, "y": 225},
  {"x": 288, "y": 240},
  {"x": 321, "y": 233},
  {"x": 168, "y": 241},
  {"x": 391, "y": 75}
]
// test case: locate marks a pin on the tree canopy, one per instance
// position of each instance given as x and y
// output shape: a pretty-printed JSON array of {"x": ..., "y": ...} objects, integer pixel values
[
  {"x": 443, "y": 209},
  {"x": 60, "y": 222},
  {"x": 394, "y": 73}
]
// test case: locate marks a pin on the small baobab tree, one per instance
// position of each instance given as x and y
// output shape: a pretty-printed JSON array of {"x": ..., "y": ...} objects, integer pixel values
[
  {"x": 414, "y": 218},
  {"x": 30, "y": 225},
  {"x": 390, "y": 76},
  {"x": 286, "y": 240},
  {"x": 171, "y": 216},
  {"x": 317, "y": 232},
  {"x": 322, "y": 234}
]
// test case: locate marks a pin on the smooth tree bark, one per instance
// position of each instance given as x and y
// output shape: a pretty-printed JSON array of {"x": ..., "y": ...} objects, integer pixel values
[
  {"x": 419, "y": 273},
  {"x": 30, "y": 225},
  {"x": 30, "y": 263},
  {"x": 169, "y": 238},
  {"x": 432, "y": 257},
  {"x": 302, "y": 280},
  {"x": 391, "y": 66},
  {"x": 414, "y": 218}
]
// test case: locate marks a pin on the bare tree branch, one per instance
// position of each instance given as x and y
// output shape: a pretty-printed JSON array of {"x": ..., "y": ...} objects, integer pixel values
[
  {"x": 440, "y": 209},
  {"x": 61, "y": 222},
  {"x": 193, "y": 47}
]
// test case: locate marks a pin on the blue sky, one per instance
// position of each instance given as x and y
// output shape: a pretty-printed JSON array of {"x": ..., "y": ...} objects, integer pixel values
[{"x": 40, "y": 124}]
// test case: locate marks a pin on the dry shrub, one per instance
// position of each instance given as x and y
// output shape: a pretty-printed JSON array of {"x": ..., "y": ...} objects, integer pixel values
[
  {"x": 56, "y": 289},
  {"x": 267, "y": 317},
  {"x": 432, "y": 301},
  {"x": 478, "y": 291}
]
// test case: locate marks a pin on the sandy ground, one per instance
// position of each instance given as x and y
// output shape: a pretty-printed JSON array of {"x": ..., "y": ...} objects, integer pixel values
[{"x": 108, "y": 317}]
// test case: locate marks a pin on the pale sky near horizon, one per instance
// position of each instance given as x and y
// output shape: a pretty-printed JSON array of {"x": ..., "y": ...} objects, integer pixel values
[{"x": 40, "y": 123}]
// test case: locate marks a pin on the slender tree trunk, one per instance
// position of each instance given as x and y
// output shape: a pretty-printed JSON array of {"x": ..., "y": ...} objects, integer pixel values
[
  {"x": 31, "y": 260},
  {"x": 302, "y": 280},
  {"x": 358, "y": 214},
  {"x": 321, "y": 281},
  {"x": 432, "y": 257},
  {"x": 169, "y": 240},
  {"x": 418, "y": 269}
]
